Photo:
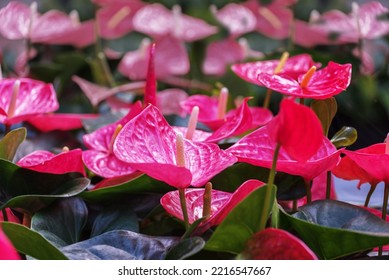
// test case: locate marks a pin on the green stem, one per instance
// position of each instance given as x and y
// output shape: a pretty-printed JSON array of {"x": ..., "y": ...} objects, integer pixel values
[
  {"x": 308, "y": 185},
  {"x": 270, "y": 182},
  {"x": 369, "y": 194},
  {"x": 266, "y": 102},
  {"x": 328, "y": 188},
  {"x": 384, "y": 209},
  {"x": 184, "y": 207}
]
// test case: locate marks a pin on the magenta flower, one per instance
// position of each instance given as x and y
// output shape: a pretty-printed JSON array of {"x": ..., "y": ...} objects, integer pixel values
[
  {"x": 99, "y": 157},
  {"x": 7, "y": 250},
  {"x": 59, "y": 121},
  {"x": 321, "y": 84},
  {"x": 47, "y": 162},
  {"x": 294, "y": 66},
  {"x": 54, "y": 27},
  {"x": 221, "y": 203},
  {"x": 149, "y": 144},
  {"x": 24, "y": 98}
]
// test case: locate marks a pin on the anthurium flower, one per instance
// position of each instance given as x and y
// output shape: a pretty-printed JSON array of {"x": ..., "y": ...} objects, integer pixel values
[
  {"x": 23, "y": 98},
  {"x": 114, "y": 18},
  {"x": 99, "y": 157},
  {"x": 59, "y": 121},
  {"x": 210, "y": 114},
  {"x": 321, "y": 84},
  {"x": 304, "y": 151},
  {"x": 54, "y": 27},
  {"x": 157, "y": 21},
  {"x": 294, "y": 66},
  {"x": 11, "y": 217},
  {"x": 7, "y": 250},
  {"x": 148, "y": 143},
  {"x": 221, "y": 203},
  {"x": 47, "y": 162},
  {"x": 276, "y": 244}
]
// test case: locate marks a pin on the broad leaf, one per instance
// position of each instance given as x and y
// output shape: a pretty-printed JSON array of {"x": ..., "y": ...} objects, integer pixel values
[
  {"x": 241, "y": 223},
  {"x": 326, "y": 111},
  {"x": 31, "y": 243},
  {"x": 335, "y": 229},
  {"x": 61, "y": 223},
  {"x": 185, "y": 248},
  {"x": 121, "y": 245},
  {"x": 10, "y": 143}
]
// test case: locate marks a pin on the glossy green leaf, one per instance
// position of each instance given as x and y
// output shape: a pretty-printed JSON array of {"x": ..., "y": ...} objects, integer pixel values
[
  {"x": 62, "y": 222},
  {"x": 115, "y": 218},
  {"x": 121, "y": 245},
  {"x": 31, "y": 190},
  {"x": 241, "y": 223},
  {"x": 185, "y": 248},
  {"x": 335, "y": 229},
  {"x": 345, "y": 137},
  {"x": 325, "y": 110},
  {"x": 31, "y": 243},
  {"x": 141, "y": 184},
  {"x": 10, "y": 143}
]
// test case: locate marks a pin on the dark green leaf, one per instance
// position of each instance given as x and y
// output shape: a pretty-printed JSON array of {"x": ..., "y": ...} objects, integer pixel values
[
  {"x": 325, "y": 110},
  {"x": 62, "y": 222},
  {"x": 241, "y": 223},
  {"x": 185, "y": 248},
  {"x": 121, "y": 245},
  {"x": 334, "y": 229},
  {"x": 115, "y": 218},
  {"x": 31, "y": 243},
  {"x": 10, "y": 143}
]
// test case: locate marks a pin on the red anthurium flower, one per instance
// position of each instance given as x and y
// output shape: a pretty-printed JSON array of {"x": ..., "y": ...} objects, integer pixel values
[
  {"x": 294, "y": 66},
  {"x": 24, "y": 98},
  {"x": 47, "y": 162},
  {"x": 7, "y": 250},
  {"x": 149, "y": 144},
  {"x": 54, "y": 27},
  {"x": 59, "y": 121},
  {"x": 157, "y": 21},
  {"x": 277, "y": 244},
  {"x": 10, "y": 216},
  {"x": 221, "y": 203},
  {"x": 374, "y": 160},
  {"x": 115, "y": 18},
  {"x": 304, "y": 151},
  {"x": 99, "y": 157},
  {"x": 321, "y": 84},
  {"x": 214, "y": 116},
  {"x": 169, "y": 52}
]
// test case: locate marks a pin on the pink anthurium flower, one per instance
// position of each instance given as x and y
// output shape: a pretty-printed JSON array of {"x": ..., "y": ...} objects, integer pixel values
[
  {"x": 7, "y": 250},
  {"x": 157, "y": 21},
  {"x": 221, "y": 203},
  {"x": 213, "y": 113},
  {"x": 47, "y": 162},
  {"x": 54, "y": 27},
  {"x": 115, "y": 18},
  {"x": 320, "y": 84},
  {"x": 59, "y": 121},
  {"x": 304, "y": 151},
  {"x": 148, "y": 143},
  {"x": 277, "y": 244},
  {"x": 11, "y": 217},
  {"x": 23, "y": 98},
  {"x": 293, "y": 66},
  {"x": 99, "y": 157}
]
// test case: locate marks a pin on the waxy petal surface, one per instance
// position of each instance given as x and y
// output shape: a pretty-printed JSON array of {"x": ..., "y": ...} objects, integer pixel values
[
  {"x": 34, "y": 97},
  {"x": 148, "y": 143},
  {"x": 324, "y": 83},
  {"x": 47, "y": 162},
  {"x": 15, "y": 29},
  {"x": 7, "y": 250},
  {"x": 294, "y": 67},
  {"x": 65, "y": 122},
  {"x": 257, "y": 148},
  {"x": 277, "y": 244}
]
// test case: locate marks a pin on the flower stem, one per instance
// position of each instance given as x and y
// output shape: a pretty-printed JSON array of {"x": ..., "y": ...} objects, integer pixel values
[
  {"x": 308, "y": 185},
  {"x": 384, "y": 209},
  {"x": 270, "y": 182},
  {"x": 369, "y": 194},
  {"x": 266, "y": 102},
  {"x": 184, "y": 207},
  {"x": 328, "y": 187}
]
